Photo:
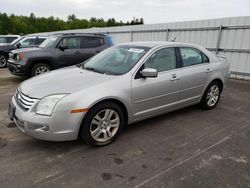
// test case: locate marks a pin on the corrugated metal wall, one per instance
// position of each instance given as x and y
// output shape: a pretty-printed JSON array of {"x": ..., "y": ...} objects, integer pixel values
[{"x": 227, "y": 36}]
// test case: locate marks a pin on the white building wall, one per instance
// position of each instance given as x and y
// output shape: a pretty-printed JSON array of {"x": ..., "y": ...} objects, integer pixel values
[{"x": 234, "y": 39}]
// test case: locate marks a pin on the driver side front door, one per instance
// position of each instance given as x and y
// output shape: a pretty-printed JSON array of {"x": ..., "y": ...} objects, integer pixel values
[{"x": 152, "y": 96}]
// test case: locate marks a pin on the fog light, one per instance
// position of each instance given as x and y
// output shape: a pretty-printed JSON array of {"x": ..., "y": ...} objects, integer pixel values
[{"x": 37, "y": 127}]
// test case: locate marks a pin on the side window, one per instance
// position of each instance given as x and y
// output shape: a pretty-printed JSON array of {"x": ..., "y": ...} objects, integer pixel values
[
  {"x": 191, "y": 56},
  {"x": 3, "y": 40},
  {"x": 92, "y": 42},
  {"x": 40, "y": 40},
  {"x": 10, "y": 39},
  {"x": 205, "y": 58},
  {"x": 28, "y": 42},
  {"x": 71, "y": 43},
  {"x": 162, "y": 60}
]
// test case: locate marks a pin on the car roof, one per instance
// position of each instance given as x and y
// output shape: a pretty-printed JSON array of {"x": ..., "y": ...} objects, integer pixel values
[
  {"x": 152, "y": 44},
  {"x": 80, "y": 34},
  {"x": 9, "y": 35}
]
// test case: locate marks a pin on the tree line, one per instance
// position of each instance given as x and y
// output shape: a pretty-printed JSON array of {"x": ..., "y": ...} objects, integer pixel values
[{"x": 15, "y": 24}]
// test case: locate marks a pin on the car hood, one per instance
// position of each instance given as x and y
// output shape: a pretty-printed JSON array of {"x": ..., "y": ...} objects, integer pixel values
[
  {"x": 7, "y": 47},
  {"x": 67, "y": 80},
  {"x": 25, "y": 50}
]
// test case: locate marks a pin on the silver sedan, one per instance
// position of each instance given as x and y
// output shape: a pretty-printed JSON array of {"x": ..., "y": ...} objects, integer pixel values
[{"x": 123, "y": 84}]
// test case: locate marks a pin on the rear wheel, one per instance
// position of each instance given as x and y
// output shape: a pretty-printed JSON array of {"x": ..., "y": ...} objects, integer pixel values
[
  {"x": 3, "y": 61},
  {"x": 102, "y": 124},
  {"x": 40, "y": 68},
  {"x": 211, "y": 96}
]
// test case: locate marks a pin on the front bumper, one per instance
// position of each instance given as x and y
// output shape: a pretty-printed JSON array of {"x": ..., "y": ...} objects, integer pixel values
[
  {"x": 61, "y": 126},
  {"x": 17, "y": 69}
]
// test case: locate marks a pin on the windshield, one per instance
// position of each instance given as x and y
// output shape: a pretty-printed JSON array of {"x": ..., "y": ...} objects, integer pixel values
[
  {"x": 49, "y": 42},
  {"x": 117, "y": 60}
]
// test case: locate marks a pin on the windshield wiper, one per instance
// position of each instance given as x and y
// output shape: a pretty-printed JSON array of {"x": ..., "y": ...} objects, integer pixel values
[{"x": 93, "y": 69}]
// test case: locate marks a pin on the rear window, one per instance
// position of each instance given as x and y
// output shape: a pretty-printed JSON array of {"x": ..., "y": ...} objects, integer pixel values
[
  {"x": 11, "y": 39},
  {"x": 92, "y": 42}
]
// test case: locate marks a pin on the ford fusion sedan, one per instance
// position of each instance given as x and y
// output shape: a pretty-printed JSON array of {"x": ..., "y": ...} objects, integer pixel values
[
  {"x": 57, "y": 51},
  {"x": 121, "y": 85}
]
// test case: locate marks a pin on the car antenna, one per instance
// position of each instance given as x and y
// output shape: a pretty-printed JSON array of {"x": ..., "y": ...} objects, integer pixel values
[{"x": 173, "y": 40}]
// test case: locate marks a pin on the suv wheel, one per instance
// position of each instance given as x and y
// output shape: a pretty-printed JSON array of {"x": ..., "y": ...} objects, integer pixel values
[
  {"x": 40, "y": 68},
  {"x": 211, "y": 96},
  {"x": 102, "y": 124},
  {"x": 3, "y": 61}
]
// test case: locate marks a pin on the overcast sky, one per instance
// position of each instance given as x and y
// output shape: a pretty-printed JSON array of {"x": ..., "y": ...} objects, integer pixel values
[{"x": 153, "y": 11}]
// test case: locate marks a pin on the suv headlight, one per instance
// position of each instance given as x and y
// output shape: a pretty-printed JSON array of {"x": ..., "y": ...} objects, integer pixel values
[
  {"x": 47, "y": 104},
  {"x": 20, "y": 56}
]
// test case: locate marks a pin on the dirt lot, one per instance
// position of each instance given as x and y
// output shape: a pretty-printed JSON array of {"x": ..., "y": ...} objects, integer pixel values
[{"x": 186, "y": 148}]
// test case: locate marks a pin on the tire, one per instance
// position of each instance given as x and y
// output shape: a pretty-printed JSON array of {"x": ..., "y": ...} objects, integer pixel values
[
  {"x": 94, "y": 129},
  {"x": 211, "y": 96},
  {"x": 40, "y": 68},
  {"x": 3, "y": 61}
]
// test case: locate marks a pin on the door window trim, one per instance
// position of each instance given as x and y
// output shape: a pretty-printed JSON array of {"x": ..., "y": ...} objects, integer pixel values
[
  {"x": 200, "y": 52},
  {"x": 177, "y": 59}
]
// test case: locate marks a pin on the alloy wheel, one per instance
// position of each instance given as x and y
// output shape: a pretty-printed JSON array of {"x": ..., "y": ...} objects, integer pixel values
[
  {"x": 41, "y": 70},
  {"x": 104, "y": 125},
  {"x": 213, "y": 95},
  {"x": 3, "y": 61}
]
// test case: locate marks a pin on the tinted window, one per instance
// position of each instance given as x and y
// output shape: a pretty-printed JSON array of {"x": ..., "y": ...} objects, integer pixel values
[
  {"x": 71, "y": 43},
  {"x": 92, "y": 42},
  {"x": 191, "y": 56},
  {"x": 162, "y": 60},
  {"x": 11, "y": 39}
]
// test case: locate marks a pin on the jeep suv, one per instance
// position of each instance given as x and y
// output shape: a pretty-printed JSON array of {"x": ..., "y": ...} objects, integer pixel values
[
  {"x": 57, "y": 51},
  {"x": 21, "y": 42}
]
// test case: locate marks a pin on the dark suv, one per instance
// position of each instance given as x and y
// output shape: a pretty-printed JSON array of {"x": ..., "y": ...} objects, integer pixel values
[
  {"x": 21, "y": 42},
  {"x": 57, "y": 51}
]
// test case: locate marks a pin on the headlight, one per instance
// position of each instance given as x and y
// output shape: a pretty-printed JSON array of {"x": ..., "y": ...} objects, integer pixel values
[
  {"x": 20, "y": 56},
  {"x": 47, "y": 104}
]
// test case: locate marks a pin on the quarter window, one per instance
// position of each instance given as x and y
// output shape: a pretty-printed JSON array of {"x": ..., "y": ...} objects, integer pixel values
[
  {"x": 192, "y": 56},
  {"x": 162, "y": 60}
]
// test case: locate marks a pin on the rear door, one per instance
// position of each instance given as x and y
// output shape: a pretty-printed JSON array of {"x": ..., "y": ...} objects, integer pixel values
[
  {"x": 152, "y": 96},
  {"x": 92, "y": 45},
  {"x": 195, "y": 74},
  {"x": 73, "y": 54}
]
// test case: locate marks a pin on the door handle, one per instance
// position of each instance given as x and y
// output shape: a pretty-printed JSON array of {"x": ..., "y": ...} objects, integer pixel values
[
  {"x": 174, "y": 77},
  {"x": 209, "y": 70},
  {"x": 77, "y": 52}
]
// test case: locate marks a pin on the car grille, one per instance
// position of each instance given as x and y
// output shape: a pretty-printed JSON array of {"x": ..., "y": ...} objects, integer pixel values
[{"x": 23, "y": 100}]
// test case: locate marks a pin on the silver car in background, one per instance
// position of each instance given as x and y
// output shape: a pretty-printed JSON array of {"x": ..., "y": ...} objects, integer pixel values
[{"x": 121, "y": 85}]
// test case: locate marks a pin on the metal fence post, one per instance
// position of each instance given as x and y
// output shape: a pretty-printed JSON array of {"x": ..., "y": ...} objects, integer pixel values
[
  {"x": 167, "y": 30},
  {"x": 131, "y": 36},
  {"x": 218, "y": 39}
]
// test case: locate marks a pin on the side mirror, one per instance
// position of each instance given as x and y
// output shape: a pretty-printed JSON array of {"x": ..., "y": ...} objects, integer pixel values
[
  {"x": 63, "y": 47},
  {"x": 18, "y": 45},
  {"x": 149, "y": 72}
]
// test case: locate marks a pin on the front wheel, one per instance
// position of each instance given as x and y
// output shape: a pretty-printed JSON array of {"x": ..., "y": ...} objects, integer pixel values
[
  {"x": 102, "y": 124},
  {"x": 40, "y": 68},
  {"x": 3, "y": 61},
  {"x": 211, "y": 96}
]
